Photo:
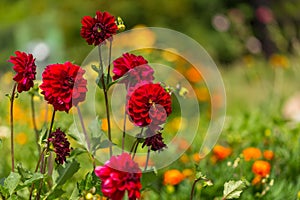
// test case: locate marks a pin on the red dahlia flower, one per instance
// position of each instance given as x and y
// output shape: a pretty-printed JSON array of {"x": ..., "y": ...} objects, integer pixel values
[
  {"x": 25, "y": 67},
  {"x": 63, "y": 85},
  {"x": 96, "y": 30},
  {"x": 119, "y": 174},
  {"x": 61, "y": 145},
  {"x": 136, "y": 69},
  {"x": 154, "y": 140},
  {"x": 150, "y": 105}
]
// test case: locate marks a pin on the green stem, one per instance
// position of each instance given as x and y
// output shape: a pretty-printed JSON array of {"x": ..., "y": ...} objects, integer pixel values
[
  {"x": 147, "y": 159},
  {"x": 193, "y": 188},
  {"x": 86, "y": 136},
  {"x": 34, "y": 124},
  {"x": 106, "y": 101},
  {"x": 109, "y": 60},
  {"x": 12, "y": 98},
  {"x": 44, "y": 164},
  {"x": 83, "y": 129},
  {"x": 124, "y": 132}
]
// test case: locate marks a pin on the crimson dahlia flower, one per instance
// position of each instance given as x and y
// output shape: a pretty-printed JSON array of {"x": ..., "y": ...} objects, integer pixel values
[
  {"x": 96, "y": 30},
  {"x": 118, "y": 175},
  {"x": 63, "y": 85},
  {"x": 61, "y": 145},
  {"x": 135, "y": 68},
  {"x": 150, "y": 105},
  {"x": 154, "y": 140},
  {"x": 24, "y": 65}
]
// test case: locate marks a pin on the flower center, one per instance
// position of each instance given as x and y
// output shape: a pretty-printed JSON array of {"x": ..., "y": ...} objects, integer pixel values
[
  {"x": 98, "y": 27},
  {"x": 70, "y": 81},
  {"x": 151, "y": 103}
]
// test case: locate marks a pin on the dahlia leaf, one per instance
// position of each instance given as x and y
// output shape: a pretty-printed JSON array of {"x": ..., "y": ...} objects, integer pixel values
[
  {"x": 233, "y": 189},
  {"x": 12, "y": 181},
  {"x": 78, "y": 136},
  {"x": 35, "y": 177},
  {"x": 66, "y": 172},
  {"x": 95, "y": 128},
  {"x": 95, "y": 68},
  {"x": 54, "y": 194},
  {"x": 99, "y": 81}
]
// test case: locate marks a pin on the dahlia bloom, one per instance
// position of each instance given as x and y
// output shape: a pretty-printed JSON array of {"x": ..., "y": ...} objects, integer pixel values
[
  {"x": 251, "y": 153},
  {"x": 261, "y": 168},
  {"x": 96, "y": 30},
  {"x": 154, "y": 140},
  {"x": 135, "y": 68},
  {"x": 173, "y": 177},
  {"x": 118, "y": 175},
  {"x": 63, "y": 85},
  {"x": 24, "y": 65},
  {"x": 61, "y": 145},
  {"x": 149, "y": 104}
]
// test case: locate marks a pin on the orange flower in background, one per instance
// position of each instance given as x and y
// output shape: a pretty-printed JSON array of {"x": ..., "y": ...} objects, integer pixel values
[
  {"x": 277, "y": 60},
  {"x": 173, "y": 177},
  {"x": 221, "y": 152},
  {"x": 193, "y": 75},
  {"x": 268, "y": 154},
  {"x": 261, "y": 168},
  {"x": 256, "y": 180},
  {"x": 251, "y": 153},
  {"x": 197, "y": 157},
  {"x": 21, "y": 138}
]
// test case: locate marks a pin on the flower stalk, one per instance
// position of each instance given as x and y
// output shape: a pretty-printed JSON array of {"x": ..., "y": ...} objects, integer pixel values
[
  {"x": 12, "y": 98},
  {"x": 105, "y": 98}
]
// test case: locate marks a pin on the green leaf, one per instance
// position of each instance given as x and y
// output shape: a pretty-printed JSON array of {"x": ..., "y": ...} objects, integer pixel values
[
  {"x": 75, "y": 194},
  {"x": 12, "y": 181},
  {"x": 233, "y": 189},
  {"x": 150, "y": 180},
  {"x": 99, "y": 81},
  {"x": 78, "y": 136},
  {"x": 35, "y": 177},
  {"x": 55, "y": 193},
  {"x": 4, "y": 191},
  {"x": 95, "y": 128},
  {"x": 95, "y": 68},
  {"x": 66, "y": 172}
]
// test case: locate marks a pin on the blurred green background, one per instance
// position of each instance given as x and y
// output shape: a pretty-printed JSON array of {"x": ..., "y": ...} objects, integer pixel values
[{"x": 228, "y": 30}]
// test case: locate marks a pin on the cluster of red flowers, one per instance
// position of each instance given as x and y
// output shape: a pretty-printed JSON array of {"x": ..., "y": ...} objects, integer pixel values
[{"x": 148, "y": 105}]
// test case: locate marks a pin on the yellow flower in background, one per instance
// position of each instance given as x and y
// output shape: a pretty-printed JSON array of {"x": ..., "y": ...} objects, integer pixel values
[
  {"x": 173, "y": 177},
  {"x": 21, "y": 138},
  {"x": 188, "y": 172},
  {"x": 280, "y": 61},
  {"x": 251, "y": 153},
  {"x": 169, "y": 55},
  {"x": 248, "y": 60},
  {"x": 184, "y": 159},
  {"x": 104, "y": 124},
  {"x": 202, "y": 94}
]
